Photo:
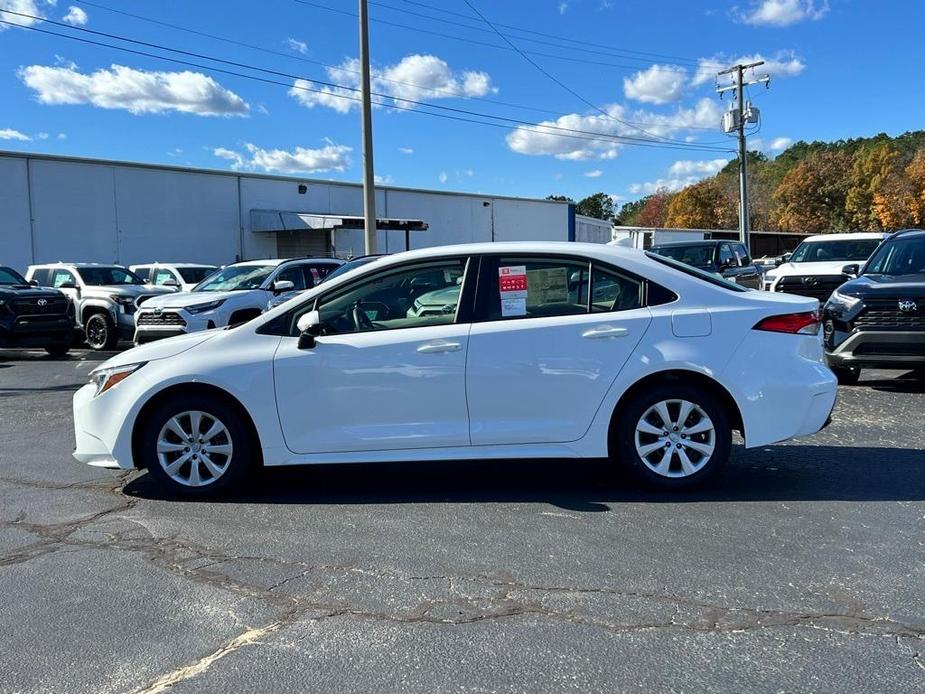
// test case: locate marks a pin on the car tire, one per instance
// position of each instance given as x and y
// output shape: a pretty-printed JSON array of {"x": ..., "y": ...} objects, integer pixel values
[
  {"x": 101, "y": 332},
  {"x": 846, "y": 375},
  {"x": 58, "y": 351},
  {"x": 210, "y": 466},
  {"x": 699, "y": 445}
]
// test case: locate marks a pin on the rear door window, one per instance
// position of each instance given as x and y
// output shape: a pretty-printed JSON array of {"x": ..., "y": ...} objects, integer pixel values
[
  {"x": 162, "y": 276},
  {"x": 143, "y": 272}
]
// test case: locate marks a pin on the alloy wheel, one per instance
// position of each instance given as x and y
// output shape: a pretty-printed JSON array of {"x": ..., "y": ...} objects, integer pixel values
[
  {"x": 194, "y": 448},
  {"x": 675, "y": 438}
]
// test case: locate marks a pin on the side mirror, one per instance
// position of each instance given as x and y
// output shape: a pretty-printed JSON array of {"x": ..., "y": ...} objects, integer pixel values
[
  {"x": 309, "y": 325},
  {"x": 67, "y": 285},
  {"x": 172, "y": 283},
  {"x": 34, "y": 283},
  {"x": 851, "y": 270},
  {"x": 280, "y": 286}
]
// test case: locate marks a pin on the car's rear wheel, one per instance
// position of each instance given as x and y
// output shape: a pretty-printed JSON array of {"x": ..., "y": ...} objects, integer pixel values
[
  {"x": 846, "y": 375},
  {"x": 197, "y": 445},
  {"x": 101, "y": 332},
  {"x": 673, "y": 436}
]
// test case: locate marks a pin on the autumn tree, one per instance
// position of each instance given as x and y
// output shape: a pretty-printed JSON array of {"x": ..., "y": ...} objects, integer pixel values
[
  {"x": 630, "y": 212},
  {"x": 811, "y": 197},
  {"x": 695, "y": 207},
  {"x": 875, "y": 171},
  {"x": 655, "y": 211},
  {"x": 900, "y": 201}
]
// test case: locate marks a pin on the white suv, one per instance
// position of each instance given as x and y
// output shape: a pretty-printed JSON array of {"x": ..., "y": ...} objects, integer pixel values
[
  {"x": 814, "y": 269},
  {"x": 180, "y": 276},
  {"x": 233, "y": 295}
]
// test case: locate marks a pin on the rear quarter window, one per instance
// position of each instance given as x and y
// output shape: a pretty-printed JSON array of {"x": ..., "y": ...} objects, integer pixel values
[{"x": 701, "y": 275}]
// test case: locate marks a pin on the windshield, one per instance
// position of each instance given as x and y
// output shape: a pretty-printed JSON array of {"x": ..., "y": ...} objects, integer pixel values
[
  {"x": 236, "y": 277},
  {"x": 902, "y": 256},
  {"x": 708, "y": 277},
  {"x": 843, "y": 250},
  {"x": 350, "y": 265},
  {"x": 195, "y": 275},
  {"x": 698, "y": 256},
  {"x": 105, "y": 276},
  {"x": 9, "y": 276}
]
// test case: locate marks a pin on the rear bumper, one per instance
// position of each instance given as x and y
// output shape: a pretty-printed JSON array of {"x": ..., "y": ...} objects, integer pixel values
[{"x": 879, "y": 349}]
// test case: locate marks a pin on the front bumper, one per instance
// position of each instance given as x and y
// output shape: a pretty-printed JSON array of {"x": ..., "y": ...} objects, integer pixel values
[
  {"x": 186, "y": 323},
  {"x": 879, "y": 349},
  {"x": 102, "y": 438},
  {"x": 32, "y": 331}
]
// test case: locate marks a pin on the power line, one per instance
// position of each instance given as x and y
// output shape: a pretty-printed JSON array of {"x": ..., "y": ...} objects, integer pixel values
[
  {"x": 539, "y": 128},
  {"x": 561, "y": 83},
  {"x": 341, "y": 68}
]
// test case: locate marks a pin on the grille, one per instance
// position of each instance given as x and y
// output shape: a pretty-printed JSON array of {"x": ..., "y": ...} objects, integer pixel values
[
  {"x": 884, "y": 314},
  {"x": 31, "y": 307},
  {"x": 166, "y": 318},
  {"x": 895, "y": 349},
  {"x": 814, "y": 286}
]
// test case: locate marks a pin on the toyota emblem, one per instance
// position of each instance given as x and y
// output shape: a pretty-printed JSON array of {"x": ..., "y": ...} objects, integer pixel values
[
  {"x": 908, "y": 306},
  {"x": 157, "y": 311},
  {"x": 42, "y": 302},
  {"x": 810, "y": 281}
]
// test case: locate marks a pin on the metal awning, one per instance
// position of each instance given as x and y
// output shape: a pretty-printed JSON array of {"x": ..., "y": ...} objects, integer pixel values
[{"x": 281, "y": 220}]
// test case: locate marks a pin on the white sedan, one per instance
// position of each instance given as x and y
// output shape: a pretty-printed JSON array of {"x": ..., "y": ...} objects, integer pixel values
[{"x": 547, "y": 350}]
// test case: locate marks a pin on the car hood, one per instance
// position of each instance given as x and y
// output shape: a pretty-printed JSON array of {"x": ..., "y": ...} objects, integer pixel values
[
  {"x": 132, "y": 290},
  {"x": 439, "y": 296},
  {"x": 160, "y": 349},
  {"x": 886, "y": 287},
  {"x": 28, "y": 292},
  {"x": 184, "y": 299},
  {"x": 821, "y": 268}
]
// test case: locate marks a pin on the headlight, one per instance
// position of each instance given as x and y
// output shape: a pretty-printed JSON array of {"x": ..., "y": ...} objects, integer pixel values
[
  {"x": 843, "y": 302},
  {"x": 123, "y": 300},
  {"x": 104, "y": 379},
  {"x": 208, "y": 306}
]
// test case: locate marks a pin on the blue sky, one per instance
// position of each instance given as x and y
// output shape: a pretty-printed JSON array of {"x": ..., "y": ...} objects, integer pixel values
[{"x": 640, "y": 72}]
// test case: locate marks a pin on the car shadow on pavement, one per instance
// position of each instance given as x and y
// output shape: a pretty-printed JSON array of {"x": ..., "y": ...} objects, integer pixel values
[
  {"x": 781, "y": 473},
  {"x": 909, "y": 382}
]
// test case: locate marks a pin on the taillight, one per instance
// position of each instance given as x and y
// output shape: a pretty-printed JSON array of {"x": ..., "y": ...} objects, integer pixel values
[{"x": 793, "y": 323}]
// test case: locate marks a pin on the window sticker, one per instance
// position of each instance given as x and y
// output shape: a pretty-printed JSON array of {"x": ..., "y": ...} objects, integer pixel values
[
  {"x": 512, "y": 282},
  {"x": 513, "y": 307},
  {"x": 548, "y": 286}
]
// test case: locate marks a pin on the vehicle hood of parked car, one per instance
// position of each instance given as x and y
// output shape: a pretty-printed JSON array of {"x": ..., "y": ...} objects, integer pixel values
[
  {"x": 184, "y": 299},
  {"x": 19, "y": 291},
  {"x": 132, "y": 290},
  {"x": 833, "y": 267},
  {"x": 886, "y": 286},
  {"x": 161, "y": 349}
]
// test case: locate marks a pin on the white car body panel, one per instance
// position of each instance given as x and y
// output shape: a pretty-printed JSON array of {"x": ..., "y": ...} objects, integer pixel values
[
  {"x": 349, "y": 406},
  {"x": 773, "y": 276}
]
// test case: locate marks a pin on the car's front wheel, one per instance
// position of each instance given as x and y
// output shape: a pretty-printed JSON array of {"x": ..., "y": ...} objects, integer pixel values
[
  {"x": 101, "y": 332},
  {"x": 197, "y": 445},
  {"x": 672, "y": 436}
]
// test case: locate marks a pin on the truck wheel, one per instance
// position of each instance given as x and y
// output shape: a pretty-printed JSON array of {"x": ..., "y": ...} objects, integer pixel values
[
  {"x": 101, "y": 332},
  {"x": 846, "y": 375},
  {"x": 197, "y": 446},
  {"x": 672, "y": 436}
]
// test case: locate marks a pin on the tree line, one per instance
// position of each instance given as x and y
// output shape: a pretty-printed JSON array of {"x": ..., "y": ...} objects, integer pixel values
[{"x": 863, "y": 184}]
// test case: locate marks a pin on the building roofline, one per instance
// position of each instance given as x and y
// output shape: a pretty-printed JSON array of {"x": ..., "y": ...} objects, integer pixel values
[{"x": 261, "y": 176}]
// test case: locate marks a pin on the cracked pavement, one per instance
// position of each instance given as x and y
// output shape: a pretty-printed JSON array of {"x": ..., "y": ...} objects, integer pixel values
[{"x": 801, "y": 569}]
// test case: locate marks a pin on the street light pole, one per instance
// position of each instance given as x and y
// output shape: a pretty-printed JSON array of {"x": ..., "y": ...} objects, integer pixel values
[{"x": 369, "y": 182}]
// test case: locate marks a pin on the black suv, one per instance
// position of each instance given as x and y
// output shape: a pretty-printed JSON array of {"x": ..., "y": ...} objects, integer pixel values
[
  {"x": 728, "y": 259},
  {"x": 877, "y": 320},
  {"x": 33, "y": 317}
]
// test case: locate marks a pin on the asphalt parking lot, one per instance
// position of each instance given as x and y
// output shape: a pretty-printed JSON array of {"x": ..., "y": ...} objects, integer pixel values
[{"x": 801, "y": 569}]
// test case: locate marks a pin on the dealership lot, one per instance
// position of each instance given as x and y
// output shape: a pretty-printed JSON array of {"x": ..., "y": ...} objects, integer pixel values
[{"x": 800, "y": 569}]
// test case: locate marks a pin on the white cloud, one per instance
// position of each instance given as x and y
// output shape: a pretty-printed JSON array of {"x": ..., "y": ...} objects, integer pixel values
[
  {"x": 75, "y": 16},
  {"x": 541, "y": 140},
  {"x": 597, "y": 173},
  {"x": 10, "y": 134},
  {"x": 23, "y": 7},
  {"x": 331, "y": 157},
  {"x": 442, "y": 177},
  {"x": 382, "y": 180},
  {"x": 779, "y": 144},
  {"x": 406, "y": 150},
  {"x": 563, "y": 7},
  {"x": 659, "y": 84},
  {"x": 414, "y": 77},
  {"x": 62, "y": 136},
  {"x": 782, "y": 64},
  {"x": 42, "y": 136},
  {"x": 136, "y": 91},
  {"x": 670, "y": 184},
  {"x": 297, "y": 46},
  {"x": 687, "y": 167},
  {"x": 781, "y": 13}
]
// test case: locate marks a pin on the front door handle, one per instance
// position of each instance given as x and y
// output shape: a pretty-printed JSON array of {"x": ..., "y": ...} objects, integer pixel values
[
  {"x": 439, "y": 346},
  {"x": 604, "y": 331}
]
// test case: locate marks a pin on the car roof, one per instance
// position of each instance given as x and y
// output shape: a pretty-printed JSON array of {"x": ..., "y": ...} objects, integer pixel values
[
  {"x": 158, "y": 263},
  {"x": 77, "y": 265},
  {"x": 703, "y": 242},
  {"x": 280, "y": 261},
  {"x": 853, "y": 236},
  {"x": 908, "y": 232}
]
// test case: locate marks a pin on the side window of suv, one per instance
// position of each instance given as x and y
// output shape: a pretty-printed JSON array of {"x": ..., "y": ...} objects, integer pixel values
[
  {"x": 40, "y": 277},
  {"x": 143, "y": 272},
  {"x": 60, "y": 277},
  {"x": 742, "y": 255},
  {"x": 292, "y": 274},
  {"x": 161, "y": 276},
  {"x": 726, "y": 258}
]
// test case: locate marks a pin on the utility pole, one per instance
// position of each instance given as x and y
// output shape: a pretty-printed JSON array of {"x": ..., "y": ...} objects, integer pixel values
[
  {"x": 369, "y": 182},
  {"x": 739, "y": 121}
]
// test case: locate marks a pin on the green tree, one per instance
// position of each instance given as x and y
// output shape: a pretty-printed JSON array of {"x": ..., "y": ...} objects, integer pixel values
[
  {"x": 599, "y": 205},
  {"x": 629, "y": 213},
  {"x": 559, "y": 198}
]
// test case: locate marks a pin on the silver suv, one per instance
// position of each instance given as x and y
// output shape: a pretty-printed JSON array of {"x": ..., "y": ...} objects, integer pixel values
[{"x": 105, "y": 298}]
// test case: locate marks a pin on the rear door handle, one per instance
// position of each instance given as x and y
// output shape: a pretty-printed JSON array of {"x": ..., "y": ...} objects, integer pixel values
[
  {"x": 439, "y": 346},
  {"x": 604, "y": 331}
]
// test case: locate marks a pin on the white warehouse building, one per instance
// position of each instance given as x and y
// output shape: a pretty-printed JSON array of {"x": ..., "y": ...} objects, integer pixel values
[{"x": 86, "y": 210}]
